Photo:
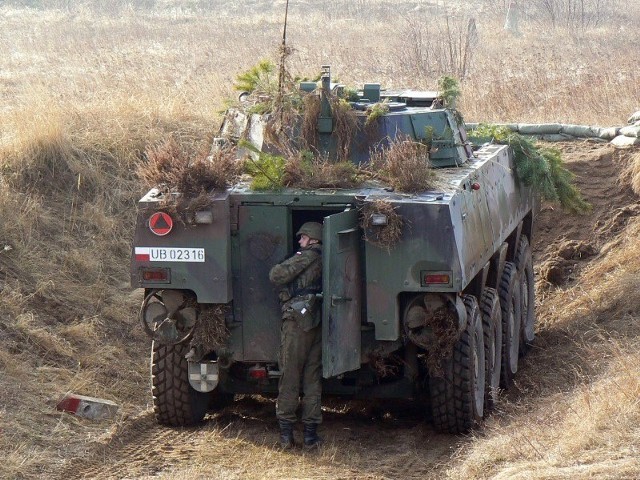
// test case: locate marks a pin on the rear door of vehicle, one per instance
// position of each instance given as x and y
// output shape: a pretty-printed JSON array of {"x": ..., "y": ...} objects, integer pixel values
[
  {"x": 262, "y": 239},
  {"x": 342, "y": 287}
]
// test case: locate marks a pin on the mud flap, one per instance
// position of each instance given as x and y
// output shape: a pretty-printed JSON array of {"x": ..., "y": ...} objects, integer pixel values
[
  {"x": 203, "y": 376},
  {"x": 341, "y": 285}
]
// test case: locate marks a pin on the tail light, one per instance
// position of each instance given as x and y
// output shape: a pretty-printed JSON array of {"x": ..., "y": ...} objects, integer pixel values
[
  {"x": 155, "y": 275},
  {"x": 435, "y": 278},
  {"x": 258, "y": 373}
]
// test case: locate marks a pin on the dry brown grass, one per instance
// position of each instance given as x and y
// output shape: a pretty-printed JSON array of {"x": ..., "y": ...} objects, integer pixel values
[
  {"x": 211, "y": 330},
  {"x": 174, "y": 170},
  {"x": 586, "y": 378},
  {"x": 83, "y": 94},
  {"x": 632, "y": 173},
  {"x": 404, "y": 164},
  {"x": 319, "y": 172},
  {"x": 383, "y": 236}
]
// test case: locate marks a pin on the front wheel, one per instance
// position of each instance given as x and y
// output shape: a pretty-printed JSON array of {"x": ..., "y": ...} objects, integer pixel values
[
  {"x": 457, "y": 397},
  {"x": 175, "y": 402}
]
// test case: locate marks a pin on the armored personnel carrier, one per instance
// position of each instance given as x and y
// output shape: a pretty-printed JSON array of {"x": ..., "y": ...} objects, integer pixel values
[{"x": 440, "y": 314}]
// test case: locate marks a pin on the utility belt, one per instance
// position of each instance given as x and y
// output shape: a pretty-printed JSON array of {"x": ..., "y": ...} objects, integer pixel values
[
  {"x": 304, "y": 309},
  {"x": 286, "y": 294},
  {"x": 305, "y": 291}
]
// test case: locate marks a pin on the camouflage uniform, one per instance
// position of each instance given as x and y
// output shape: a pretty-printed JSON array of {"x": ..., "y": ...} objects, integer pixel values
[{"x": 301, "y": 342}]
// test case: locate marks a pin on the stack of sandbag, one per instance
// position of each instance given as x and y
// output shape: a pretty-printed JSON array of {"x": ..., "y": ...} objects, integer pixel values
[
  {"x": 559, "y": 132},
  {"x": 629, "y": 135}
]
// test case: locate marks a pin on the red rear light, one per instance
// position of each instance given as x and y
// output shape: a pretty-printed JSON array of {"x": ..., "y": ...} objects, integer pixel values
[
  {"x": 257, "y": 372},
  {"x": 156, "y": 275},
  {"x": 436, "y": 278}
]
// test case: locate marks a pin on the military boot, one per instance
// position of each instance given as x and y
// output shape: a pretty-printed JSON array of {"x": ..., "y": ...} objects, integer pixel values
[
  {"x": 311, "y": 438},
  {"x": 286, "y": 434}
]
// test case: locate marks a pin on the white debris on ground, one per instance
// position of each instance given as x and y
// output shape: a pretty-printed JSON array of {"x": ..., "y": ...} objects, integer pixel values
[{"x": 87, "y": 407}]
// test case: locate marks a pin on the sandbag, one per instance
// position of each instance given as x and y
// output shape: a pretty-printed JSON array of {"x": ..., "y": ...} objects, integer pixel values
[
  {"x": 582, "y": 131},
  {"x": 622, "y": 141},
  {"x": 630, "y": 131},
  {"x": 609, "y": 133},
  {"x": 634, "y": 118},
  {"x": 539, "y": 128}
]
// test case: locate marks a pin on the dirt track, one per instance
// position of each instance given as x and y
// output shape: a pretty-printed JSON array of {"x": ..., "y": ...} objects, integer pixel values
[
  {"x": 361, "y": 443},
  {"x": 362, "y": 440}
]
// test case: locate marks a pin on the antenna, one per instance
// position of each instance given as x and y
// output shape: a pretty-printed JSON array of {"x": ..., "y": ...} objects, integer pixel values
[{"x": 283, "y": 54}]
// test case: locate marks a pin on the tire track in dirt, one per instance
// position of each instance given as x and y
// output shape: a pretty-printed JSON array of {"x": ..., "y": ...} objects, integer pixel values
[
  {"x": 361, "y": 441},
  {"x": 140, "y": 448}
]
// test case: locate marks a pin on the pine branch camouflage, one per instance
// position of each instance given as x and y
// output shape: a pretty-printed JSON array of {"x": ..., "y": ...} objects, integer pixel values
[{"x": 538, "y": 167}]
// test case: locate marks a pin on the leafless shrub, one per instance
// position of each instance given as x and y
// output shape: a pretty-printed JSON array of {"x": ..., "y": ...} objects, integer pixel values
[
  {"x": 571, "y": 14},
  {"x": 580, "y": 14},
  {"x": 443, "y": 48}
]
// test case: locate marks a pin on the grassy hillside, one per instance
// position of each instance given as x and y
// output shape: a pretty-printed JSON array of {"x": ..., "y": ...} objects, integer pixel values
[{"x": 85, "y": 88}]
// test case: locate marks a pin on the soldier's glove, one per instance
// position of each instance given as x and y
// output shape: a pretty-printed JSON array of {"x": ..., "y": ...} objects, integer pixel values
[{"x": 284, "y": 295}]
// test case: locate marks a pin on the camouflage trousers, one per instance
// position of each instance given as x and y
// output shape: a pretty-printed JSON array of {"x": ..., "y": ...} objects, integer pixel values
[{"x": 300, "y": 364}]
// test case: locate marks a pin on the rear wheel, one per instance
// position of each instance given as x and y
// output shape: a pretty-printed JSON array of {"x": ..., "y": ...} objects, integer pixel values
[
  {"x": 175, "y": 402},
  {"x": 510, "y": 305},
  {"x": 524, "y": 263},
  {"x": 457, "y": 397},
  {"x": 492, "y": 329}
]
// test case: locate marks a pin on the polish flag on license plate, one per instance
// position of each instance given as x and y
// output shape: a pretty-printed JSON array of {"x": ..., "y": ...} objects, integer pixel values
[{"x": 142, "y": 254}]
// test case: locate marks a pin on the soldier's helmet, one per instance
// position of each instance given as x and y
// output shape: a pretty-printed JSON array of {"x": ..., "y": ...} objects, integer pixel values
[{"x": 312, "y": 230}]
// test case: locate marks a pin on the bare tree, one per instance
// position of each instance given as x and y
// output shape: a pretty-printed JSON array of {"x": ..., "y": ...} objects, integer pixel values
[{"x": 575, "y": 14}]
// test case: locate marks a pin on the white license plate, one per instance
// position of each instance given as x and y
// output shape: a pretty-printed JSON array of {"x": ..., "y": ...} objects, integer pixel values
[{"x": 169, "y": 254}]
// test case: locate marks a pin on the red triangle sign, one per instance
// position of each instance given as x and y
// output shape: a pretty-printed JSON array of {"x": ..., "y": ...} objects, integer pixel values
[{"x": 160, "y": 223}]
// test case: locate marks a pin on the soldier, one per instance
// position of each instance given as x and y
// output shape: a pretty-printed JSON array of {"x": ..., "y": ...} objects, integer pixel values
[{"x": 300, "y": 279}]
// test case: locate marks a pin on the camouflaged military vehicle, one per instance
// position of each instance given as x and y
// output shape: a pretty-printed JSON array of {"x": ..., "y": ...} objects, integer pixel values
[{"x": 440, "y": 315}]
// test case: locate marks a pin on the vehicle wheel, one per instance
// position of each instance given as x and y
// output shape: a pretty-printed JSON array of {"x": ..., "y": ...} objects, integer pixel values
[
  {"x": 457, "y": 397},
  {"x": 524, "y": 263},
  {"x": 510, "y": 307},
  {"x": 492, "y": 329},
  {"x": 175, "y": 402}
]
